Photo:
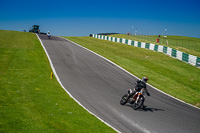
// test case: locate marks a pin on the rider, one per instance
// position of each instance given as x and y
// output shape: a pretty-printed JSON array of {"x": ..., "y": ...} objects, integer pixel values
[
  {"x": 139, "y": 85},
  {"x": 48, "y": 34}
]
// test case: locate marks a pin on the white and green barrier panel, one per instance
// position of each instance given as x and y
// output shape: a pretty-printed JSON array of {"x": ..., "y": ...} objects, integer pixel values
[{"x": 191, "y": 59}]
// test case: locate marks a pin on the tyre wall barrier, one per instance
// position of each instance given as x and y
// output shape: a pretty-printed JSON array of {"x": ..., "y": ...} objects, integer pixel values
[{"x": 190, "y": 59}]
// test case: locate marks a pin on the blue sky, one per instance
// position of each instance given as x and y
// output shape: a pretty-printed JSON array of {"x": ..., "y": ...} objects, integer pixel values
[{"x": 80, "y": 18}]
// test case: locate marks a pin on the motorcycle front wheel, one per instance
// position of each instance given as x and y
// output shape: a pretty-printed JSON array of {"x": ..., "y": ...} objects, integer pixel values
[
  {"x": 124, "y": 99},
  {"x": 139, "y": 103}
]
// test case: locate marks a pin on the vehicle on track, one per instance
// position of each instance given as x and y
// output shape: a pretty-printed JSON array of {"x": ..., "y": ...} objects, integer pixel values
[
  {"x": 35, "y": 29},
  {"x": 48, "y": 34},
  {"x": 136, "y": 100}
]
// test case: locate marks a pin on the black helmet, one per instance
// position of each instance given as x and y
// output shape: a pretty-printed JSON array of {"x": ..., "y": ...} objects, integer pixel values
[{"x": 145, "y": 79}]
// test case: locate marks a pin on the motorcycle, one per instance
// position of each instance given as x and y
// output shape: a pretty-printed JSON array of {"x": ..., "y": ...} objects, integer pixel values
[
  {"x": 49, "y": 36},
  {"x": 137, "y": 100}
]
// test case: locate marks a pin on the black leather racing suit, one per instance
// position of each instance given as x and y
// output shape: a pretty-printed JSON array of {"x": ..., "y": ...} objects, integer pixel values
[{"x": 139, "y": 85}]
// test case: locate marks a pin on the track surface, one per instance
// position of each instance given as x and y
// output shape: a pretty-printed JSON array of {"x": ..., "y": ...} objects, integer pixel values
[{"x": 98, "y": 85}]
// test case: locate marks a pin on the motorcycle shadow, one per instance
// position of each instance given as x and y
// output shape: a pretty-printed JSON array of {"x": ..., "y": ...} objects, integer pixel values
[{"x": 146, "y": 109}]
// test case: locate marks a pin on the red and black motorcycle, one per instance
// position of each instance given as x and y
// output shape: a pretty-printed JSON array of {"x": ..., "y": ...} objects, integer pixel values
[{"x": 137, "y": 100}]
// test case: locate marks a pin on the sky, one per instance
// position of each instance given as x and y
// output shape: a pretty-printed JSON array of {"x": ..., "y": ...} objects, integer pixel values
[{"x": 84, "y": 17}]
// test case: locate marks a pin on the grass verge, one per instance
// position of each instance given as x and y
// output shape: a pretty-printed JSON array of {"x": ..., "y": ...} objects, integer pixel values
[
  {"x": 31, "y": 101},
  {"x": 187, "y": 45},
  {"x": 165, "y": 73}
]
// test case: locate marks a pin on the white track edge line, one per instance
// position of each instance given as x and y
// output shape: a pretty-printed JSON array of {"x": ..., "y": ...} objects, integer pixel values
[
  {"x": 54, "y": 71},
  {"x": 133, "y": 75}
]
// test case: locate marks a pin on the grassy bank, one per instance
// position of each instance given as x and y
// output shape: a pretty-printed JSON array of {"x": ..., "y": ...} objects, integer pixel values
[
  {"x": 165, "y": 73},
  {"x": 188, "y": 45},
  {"x": 31, "y": 101}
]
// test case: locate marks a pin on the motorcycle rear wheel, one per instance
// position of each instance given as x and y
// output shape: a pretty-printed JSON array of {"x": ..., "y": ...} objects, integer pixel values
[
  {"x": 124, "y": 99},
  {"x": 139, "y": 103}
]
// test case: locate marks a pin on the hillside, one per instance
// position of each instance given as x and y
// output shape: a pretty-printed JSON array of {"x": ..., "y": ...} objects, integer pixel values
[{"x": 31, "y": 101}]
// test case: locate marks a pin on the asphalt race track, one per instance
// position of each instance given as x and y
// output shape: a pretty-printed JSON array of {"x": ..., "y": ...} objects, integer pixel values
[{"x": 98, "y": 85}]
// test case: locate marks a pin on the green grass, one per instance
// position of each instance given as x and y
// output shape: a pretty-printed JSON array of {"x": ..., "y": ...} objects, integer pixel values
[
  {"x": 30, "y": 101},
  {"x": 165, "y": 73},
  {"x": 187, "y": 45}
]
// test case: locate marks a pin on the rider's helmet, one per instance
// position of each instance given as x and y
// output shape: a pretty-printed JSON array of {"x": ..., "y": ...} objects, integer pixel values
[{"x": 145, "y": 79}]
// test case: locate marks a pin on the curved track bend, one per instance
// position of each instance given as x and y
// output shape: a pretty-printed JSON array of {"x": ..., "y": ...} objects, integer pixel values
[{"x": 98, "y": 85}]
